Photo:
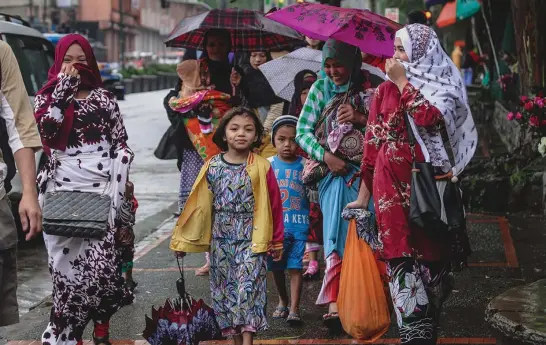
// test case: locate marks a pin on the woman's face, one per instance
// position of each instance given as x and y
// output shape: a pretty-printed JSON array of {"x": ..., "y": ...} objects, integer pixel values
[
  {"x": 399, "y": 51},
  {"x": 257, "y": 59},
  {"x": 73, "y": 55},
  {"x": 303, "y": 95},
  {"x": 311, "y": 42},
  {"x": 217, "y": 48},
  {"x": 337, "y": 72}
]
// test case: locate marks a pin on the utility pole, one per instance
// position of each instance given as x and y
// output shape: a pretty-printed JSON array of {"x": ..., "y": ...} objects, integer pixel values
[{"x": 121, "y": 36}]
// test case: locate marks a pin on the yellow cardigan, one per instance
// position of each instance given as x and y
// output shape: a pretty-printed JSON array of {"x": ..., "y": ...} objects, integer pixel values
[{"x": 193, "y": 230}]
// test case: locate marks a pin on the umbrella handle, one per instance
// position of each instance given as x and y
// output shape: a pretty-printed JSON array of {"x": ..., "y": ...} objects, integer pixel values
[{"x": 180, "y": 283}]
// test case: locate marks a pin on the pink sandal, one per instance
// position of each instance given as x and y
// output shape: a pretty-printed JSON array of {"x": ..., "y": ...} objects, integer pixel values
[
  {"x": 312, "y": 271},
  {"x": 202, "y": 271}
]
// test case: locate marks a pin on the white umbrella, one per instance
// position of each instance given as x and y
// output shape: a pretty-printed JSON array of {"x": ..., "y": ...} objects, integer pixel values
[{"x": 280, "y": 72}]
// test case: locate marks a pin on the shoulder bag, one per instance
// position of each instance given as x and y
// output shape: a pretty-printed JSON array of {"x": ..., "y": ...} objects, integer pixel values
[{"x": 76, "y": 214}]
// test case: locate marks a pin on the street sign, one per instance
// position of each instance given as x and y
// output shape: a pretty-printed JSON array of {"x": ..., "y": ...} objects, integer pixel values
[{"x": 393, "y": 13}]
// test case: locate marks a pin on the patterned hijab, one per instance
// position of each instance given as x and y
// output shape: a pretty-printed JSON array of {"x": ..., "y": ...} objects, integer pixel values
[
  {"x": 432, "y": 72},
  {"x": 347, "y": 55}
]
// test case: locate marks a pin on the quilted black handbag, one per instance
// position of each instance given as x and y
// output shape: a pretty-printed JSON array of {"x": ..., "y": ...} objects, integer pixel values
[
  {"x": 425, "y": 205},
  {"x": 76, "y": 214}
]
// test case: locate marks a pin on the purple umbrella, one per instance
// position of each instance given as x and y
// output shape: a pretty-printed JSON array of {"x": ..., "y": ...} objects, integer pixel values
[{"x": 371, "y": 32}]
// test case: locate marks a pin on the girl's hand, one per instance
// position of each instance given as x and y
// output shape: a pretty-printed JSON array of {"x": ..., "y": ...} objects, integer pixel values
[
  {"x": 346, "y": 113},
  {"x": 276, "y": 254},
  {"x": 337, "y": 166},
  {"x": 69, "y": 70},
  {"x": 396, "y": 72},
  {"x": 179, "y": 255},
  {"x": 235, "y": 78}
]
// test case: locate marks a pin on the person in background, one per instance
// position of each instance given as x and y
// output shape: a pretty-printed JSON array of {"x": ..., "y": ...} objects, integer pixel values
[
  {"x": 215, "y": 71},
  {"x": 83, "y": 132},
  {"x": 288, "y": 167},
  {"x": 240, "y": 221},
  {"x": 457, "y": 54},
  {"x": 314, "y": 44},
  {"x": 18, "y": 133},
  {"x": 417, "y": 17}
]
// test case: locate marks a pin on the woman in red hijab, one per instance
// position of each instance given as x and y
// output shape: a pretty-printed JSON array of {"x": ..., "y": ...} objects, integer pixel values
[{"x": 82, "y": 129}]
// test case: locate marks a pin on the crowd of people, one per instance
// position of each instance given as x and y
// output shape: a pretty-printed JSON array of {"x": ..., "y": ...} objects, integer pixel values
[{"x": 263, "y": 181}]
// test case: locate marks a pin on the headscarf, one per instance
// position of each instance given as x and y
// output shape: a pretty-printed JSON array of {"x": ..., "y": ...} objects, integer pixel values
[
  {"x": 89, "y": 79},
  {"x": 432, "y": 72},
  {"x": 346, "y": 54},
  {"x": 219, "y": 71},
  {"x": 302, "y": 81}
]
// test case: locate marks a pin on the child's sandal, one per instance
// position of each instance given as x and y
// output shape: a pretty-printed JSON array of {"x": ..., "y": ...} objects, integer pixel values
[
  {"x": 312, "y": 271},
  {"x": 280, "y": 313},
  {"x": 294, "y": 319}
]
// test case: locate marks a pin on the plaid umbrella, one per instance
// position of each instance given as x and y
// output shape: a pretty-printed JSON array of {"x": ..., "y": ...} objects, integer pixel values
[{"x": 250, "y": 31}]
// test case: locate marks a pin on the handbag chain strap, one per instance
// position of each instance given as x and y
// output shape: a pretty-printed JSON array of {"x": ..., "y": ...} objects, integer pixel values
[{"x": 53, "y": 175}]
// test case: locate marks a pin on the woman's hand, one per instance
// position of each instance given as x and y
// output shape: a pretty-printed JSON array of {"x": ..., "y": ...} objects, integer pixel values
[
  {"x": 337, "y": 166},
  {"x": 235, "y": 78},
  {"x": 70, "y": 70},
  {"x": 346, "y": 113},
  {"x": 397, "y": 73},
  {"x": 359, "y": 204},
  {"x": 179, "y": 255}
]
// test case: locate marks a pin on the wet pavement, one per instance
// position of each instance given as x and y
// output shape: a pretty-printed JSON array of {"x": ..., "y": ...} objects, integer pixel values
[
  {"x": 492, "y": 271},
  {"x": 156, "y": 185}
]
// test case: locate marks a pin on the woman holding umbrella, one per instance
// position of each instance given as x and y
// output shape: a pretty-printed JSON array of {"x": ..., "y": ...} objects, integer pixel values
[
  {"x": 335, "y": 102},
  {"x": 215, "y": 71},
  {"x": 426, "y": 93}
]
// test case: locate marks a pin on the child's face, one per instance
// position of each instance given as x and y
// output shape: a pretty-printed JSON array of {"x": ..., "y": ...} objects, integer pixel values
[
  {"x": 241, "y": 133},
  {"x": 303, "y": 95},
  {"x": 285, "y": 142}
]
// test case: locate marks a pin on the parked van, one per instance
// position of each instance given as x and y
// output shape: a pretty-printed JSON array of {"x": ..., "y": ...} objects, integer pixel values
[{"x": 35, "y": 55}]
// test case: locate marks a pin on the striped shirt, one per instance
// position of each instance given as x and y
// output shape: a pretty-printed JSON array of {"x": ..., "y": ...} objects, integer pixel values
[{"x": 310, "y": 114}]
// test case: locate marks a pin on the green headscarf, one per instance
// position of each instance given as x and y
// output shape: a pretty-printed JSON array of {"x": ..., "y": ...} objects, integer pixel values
[{"x": 347, "y": 55}]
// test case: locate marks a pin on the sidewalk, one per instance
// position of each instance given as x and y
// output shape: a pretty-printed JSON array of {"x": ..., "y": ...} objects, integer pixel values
[{"x": 494, "y": 269}]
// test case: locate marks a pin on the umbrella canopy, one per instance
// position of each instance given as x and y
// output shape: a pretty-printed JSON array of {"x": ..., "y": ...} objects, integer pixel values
[
  {"x": 182, "y": 320},
  {"x": 280, "y": 72},
  {"x": 250, "y": 31},
  {"x": 371, "y": 32},
  {"x": 457, "y": 10}
]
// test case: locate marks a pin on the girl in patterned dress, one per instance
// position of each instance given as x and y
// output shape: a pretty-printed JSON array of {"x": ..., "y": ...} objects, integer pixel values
[
  {"x": 82, "y": 129},
  {"x": 235, "y": 210},
  {"x": 427, "y": 86}
]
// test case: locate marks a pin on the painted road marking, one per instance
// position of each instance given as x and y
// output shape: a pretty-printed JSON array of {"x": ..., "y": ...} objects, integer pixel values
[{"x": 454, "y": 341}]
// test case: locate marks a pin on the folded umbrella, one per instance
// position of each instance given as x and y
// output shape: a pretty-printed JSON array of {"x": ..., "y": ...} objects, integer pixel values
[
  {"x": 250, "y": 31},
  {"x": 280, "y": 72},
  {"x": 182, "y": 320},
  {"x": 371, "y": 32}
]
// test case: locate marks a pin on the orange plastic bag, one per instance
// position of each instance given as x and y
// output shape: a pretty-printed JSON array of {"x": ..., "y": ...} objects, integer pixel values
[{"x": 362, "y": 304}]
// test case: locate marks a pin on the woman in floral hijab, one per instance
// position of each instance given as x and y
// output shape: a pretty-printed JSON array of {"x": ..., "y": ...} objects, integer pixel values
[{"x": 425, "y": 85}]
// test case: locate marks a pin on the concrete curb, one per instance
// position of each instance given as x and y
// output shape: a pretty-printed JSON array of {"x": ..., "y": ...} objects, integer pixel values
[{"x": 516, "y": 313}]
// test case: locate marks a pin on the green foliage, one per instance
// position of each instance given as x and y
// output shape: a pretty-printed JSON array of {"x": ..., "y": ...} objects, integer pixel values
[{"x": 152, "y": 69}]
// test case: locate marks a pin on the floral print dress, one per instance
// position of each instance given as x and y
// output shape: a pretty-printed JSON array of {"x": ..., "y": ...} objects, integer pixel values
[
  {"x": 419, "y": 278},
  {"x": 87, "y": 281},
  {"x": 237, "y": 275}
]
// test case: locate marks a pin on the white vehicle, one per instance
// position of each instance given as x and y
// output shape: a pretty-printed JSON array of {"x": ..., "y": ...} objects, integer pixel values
[{"x": 35, "y": 55}]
